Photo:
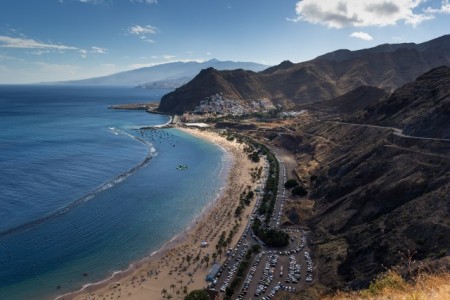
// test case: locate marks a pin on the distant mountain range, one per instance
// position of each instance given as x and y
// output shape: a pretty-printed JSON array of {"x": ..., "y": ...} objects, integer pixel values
[
  {"x": 170, "y": 75},
  {"x": 387, "y": 67}
]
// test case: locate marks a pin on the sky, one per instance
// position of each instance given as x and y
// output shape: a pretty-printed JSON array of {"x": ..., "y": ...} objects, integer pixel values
[{"x": 53, "y": 40}]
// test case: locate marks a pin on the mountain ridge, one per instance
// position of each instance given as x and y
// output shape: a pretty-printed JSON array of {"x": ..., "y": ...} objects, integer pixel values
[
  {"x": 170, "y": 74},
  {"x": 328, "y": 76}
]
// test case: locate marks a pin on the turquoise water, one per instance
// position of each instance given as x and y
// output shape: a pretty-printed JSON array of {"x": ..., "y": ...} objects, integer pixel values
[{"x": 84, "y": 191}]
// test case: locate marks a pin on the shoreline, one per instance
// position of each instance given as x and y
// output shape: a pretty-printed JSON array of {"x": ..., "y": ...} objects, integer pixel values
[{"x": 162, "y": 269}]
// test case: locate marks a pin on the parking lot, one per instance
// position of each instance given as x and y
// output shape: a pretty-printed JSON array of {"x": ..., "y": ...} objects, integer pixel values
[{"x": 273, "y": 270}]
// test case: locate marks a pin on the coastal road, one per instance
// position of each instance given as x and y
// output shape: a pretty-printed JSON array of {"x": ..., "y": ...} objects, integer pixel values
[
  {"x": 281, "y": 193},
  {"x": 396, "y": 131}
]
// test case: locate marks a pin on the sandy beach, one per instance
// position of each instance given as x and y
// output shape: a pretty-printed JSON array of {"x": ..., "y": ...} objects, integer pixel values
[{"x": 180, "y": 266}]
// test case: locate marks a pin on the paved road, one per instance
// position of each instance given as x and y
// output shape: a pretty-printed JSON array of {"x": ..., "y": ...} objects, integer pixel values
[
  {"x": 396, "y": 131},
  {"x": 281, "y": 193}
]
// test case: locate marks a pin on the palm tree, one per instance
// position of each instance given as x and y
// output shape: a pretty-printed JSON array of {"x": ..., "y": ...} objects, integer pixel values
[
  {"x": 220, "y": 253},
  {"x": 214, "y": 256},
  {"x": 229, "y": 240},
  {"x": 164, "y": 293},
  {"x": 178, "y": 293},
  {"x": 206, "y": 258},
  {"x": 169, "y": 296},
  {"x": 172, "y": 286},
  {"x": 185, "y": 290}
]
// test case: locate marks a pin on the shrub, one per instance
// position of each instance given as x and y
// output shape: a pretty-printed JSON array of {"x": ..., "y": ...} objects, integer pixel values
[
  {"x": 271, "y": 237},
  {"x": 290, "y": 183},
  {"x": 197, "y": 295},
  {"x": 299, "y": 191}
]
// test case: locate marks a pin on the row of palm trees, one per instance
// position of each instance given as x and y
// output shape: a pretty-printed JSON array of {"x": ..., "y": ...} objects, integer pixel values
[{"x": 183, "y": 290}]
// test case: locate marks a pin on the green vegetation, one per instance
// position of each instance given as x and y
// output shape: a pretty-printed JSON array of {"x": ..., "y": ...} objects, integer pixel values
[
  {"x": 271, "y": 237},
  {"x": 293, "y": 216},
  {"x": 441, "y": 253},
  {"x": 245, "y": 199},
  {"x": 197, "y": 295},
  {"x": 299, "y": 191},
  {"x": 390, "y": 280},
  {"x": 271, "y": 188},
  {"x": 290, "y": 183},
  {"x": 254, "y": 157},
  {"x": 272, "y": 135},
  {"x": 225, "y": 241}
]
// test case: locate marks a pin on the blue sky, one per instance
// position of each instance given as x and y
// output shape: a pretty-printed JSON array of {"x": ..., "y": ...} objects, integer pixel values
[{"x": 49, "y": 40}]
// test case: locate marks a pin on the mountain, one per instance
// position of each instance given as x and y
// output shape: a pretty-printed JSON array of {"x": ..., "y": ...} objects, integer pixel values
[
  {"x": 380, "y": 197},
  {"x": 420, "y": 108},
  {"x": 350, "y": 102},
  {"x": 168, "y": 75},
  {"x": 235, "y": 84},
  {"x": 325, "y": 77}
]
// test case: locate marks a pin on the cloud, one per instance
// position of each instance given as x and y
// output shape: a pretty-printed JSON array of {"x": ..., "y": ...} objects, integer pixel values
[
  {"x": 94, "y": 50},
  {"x": 444, "y": 9},
  {"x": 6, "y": 57},
  {"x": 92, "y": 1},
  {"x": 95, "y": 2},
  {"x": 24, "y": 43},
  {"x": 109, "y": 1},
  {"x": 98, "y": 50},
  {"x": 83, "y": 53},
  {"x": 357, "y": 13},
  {"x": 146, "y": 39},
  {"x": 142, "y": 30},
  {"x": 362, "y": 36},
  {"x": 169, "y": 57},
  {"x": 41, "y": 52},
  {"x": 145, "y": 1},
  {"x": 44, "y": 48}
]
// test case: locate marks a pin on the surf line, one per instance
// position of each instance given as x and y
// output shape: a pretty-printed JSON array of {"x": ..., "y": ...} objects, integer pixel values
[{"x": 109, "y": 184}]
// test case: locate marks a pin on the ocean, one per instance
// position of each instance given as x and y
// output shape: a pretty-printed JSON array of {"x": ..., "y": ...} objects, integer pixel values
[{"x": 85, "y": 192}]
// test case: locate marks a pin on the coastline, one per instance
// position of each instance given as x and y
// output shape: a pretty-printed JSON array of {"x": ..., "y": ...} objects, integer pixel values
[{"x": 168, "y": 268}]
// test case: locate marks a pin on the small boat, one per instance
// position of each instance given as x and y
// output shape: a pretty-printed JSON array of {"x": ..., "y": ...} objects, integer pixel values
[{"x": 182, "y": 167}]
